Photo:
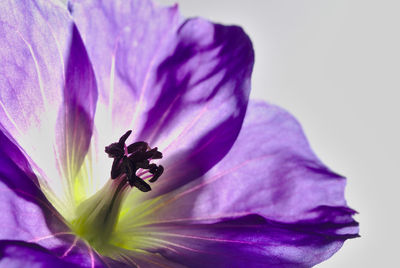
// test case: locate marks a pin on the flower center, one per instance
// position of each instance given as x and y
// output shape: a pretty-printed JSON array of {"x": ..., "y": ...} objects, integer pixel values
[{"x": 98, "y": 215}]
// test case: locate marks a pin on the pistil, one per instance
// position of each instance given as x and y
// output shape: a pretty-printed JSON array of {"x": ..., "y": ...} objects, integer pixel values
[{"x": 98, "y": 215}]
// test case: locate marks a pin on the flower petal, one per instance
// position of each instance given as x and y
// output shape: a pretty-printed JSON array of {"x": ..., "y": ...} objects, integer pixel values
[
  {"x": 270, "y": 171},
  {"x": 181, "y": 85},
  {"x": 207, "y": 109},
  {"x": 143, "y": 259},
  {"x": 48, "y": 93},
  {"x": 23, "y": 205},
  {"x": 270, "y": 193},
  {"x": 27, "y": 215},
  {"x": 134, "y": 38},
  {"x": 32, "y": 74},
  {"x": 21, "y": 254},
  {"x": 249, "y": 241},
  {"x": 80, "y": 97},
  {"x": 14, "y": 253}
]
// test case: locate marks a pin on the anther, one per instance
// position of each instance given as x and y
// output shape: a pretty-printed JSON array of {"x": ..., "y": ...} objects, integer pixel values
[
  {"x": 117, "y": 149},
  {"x": 140, "y": 184},
  {"x": 124, "y": 137},
  {"x": 139, "y": 146},
  {"x": 116, "y": 168},
  {"x": 159, "y": 171},
  {"x": 133, "y": 160}
]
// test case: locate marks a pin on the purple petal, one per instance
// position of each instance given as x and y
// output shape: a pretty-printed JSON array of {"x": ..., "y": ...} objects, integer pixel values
[
  {"x": 270, "y": 171},
  {"x": 21, "y": 254},
  {"x": 24, "y": 207},
  {"x": 143, "y": 259},
  {"x": 249, "y": 241},
  {"x": 44, "y": 88},
  {"x": 133, "y": 40},
  {"x": 27, "y": 215},
  {"x": 80, "y": 97},
  {"x": 218, "y": 85},
  {"x": 15, "y": 253},
  {"x": 181, "y": 85},
  {"x": 13, "y": 165},
  {"x": 270, "y": 193}
]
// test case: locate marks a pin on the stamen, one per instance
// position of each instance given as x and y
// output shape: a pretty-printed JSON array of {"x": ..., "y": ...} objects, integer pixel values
[
  {"x": 139, "y": 146},
  {"x": 157, "y": 173},
  {"x": 116, "y": 168},
  {"x": 97, "y": 217},
  {"x": 128, "y": 160},
  {"x": 124, "y": 137}
]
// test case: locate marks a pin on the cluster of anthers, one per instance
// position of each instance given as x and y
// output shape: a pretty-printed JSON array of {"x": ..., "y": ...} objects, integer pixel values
[{"x": 133, "y": 161}]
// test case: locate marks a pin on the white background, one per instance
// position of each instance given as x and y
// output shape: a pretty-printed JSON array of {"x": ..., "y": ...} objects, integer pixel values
[{"x": 335, "y": 65}]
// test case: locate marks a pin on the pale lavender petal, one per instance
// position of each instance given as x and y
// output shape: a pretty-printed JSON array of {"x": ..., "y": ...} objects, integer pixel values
[
  {"x": 39, "y": 85},
  {"x": 181, "y": 85},
  {"x": 270, "y": 193}
]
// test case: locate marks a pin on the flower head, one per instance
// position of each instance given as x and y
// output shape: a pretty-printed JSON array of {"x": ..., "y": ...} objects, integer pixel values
[{"x": 127, "y": 139}]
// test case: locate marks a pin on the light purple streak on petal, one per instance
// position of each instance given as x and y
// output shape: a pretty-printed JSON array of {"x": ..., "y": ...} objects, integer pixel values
[{"x": 73, "y": 245}]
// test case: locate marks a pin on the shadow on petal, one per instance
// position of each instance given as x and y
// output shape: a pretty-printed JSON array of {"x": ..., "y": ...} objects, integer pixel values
[
  {"x": 218, "y": 88},
  {"x": 251, "y": 241},
  {"x": 80, "y": 97}
]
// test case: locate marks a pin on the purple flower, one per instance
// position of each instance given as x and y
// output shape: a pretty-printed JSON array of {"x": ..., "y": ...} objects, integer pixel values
[{"x": 237, "y": 183}]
